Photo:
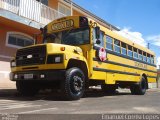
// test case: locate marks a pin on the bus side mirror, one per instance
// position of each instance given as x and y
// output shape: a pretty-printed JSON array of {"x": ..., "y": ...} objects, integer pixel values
[
  {"x": 41, "y": 29},
  {"x": 98, "y": 41},
  {"x": 97, "y": 30}
]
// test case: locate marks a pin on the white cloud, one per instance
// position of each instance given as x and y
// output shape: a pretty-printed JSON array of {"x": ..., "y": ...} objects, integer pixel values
[
  {"x": 155, "y": 39},
  {"x": 136, "y": 37}
]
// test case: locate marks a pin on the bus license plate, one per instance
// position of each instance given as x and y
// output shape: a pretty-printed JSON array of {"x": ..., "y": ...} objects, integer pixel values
[{"x": 28, "y": 76}]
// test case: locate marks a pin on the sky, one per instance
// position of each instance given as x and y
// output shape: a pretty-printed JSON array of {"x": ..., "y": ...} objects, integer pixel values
[{"x": 139, "y": 20}]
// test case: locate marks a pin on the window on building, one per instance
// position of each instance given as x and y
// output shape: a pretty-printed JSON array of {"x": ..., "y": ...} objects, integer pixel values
[
  {"x": 124, "y": 50},
  {"x": 45, "y": 2},
  {"x": 16, "y": 39},
  {"x": 130, "y": 52},
  {"x": 117, "y": 46},
  {"x": 64, "y": 9},
  {"x": 109, "y": 43}
]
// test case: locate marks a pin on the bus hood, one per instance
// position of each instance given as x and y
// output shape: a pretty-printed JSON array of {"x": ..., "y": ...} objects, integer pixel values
[{"x": 53, "y": 48}]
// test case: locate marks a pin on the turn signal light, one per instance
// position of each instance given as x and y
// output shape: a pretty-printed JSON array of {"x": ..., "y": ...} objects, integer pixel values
[{"x": 62, "y": 48}]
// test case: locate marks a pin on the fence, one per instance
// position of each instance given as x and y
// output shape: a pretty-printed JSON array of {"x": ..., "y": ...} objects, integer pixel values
[{"x": 31, "y": 9}]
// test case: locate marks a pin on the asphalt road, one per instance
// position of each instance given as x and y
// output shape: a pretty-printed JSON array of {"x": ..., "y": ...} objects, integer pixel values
[{"x": 94, "y": 102}]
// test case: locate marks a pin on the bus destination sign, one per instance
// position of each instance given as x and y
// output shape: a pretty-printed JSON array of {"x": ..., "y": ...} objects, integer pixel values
[
  {"x": 140, "y": 65},
  {"x": 62, "y": 25}
]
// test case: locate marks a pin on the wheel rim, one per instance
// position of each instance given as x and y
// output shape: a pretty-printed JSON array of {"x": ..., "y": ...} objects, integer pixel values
[{"x": 77, "y": 84}]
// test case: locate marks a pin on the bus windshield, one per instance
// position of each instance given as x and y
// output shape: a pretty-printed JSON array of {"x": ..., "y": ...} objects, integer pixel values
[{"x": 78, "y": 36}]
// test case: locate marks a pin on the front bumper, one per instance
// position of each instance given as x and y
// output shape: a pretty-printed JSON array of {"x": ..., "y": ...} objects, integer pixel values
[{"x": 50, "y": 75}]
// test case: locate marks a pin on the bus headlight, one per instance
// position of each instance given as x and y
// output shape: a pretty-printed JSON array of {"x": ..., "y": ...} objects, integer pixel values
[
  {"x": 13, "y": 64},
  {"x": 55, "y": 59}
]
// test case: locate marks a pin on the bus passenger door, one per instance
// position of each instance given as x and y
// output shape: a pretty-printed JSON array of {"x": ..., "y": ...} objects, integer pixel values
[{"x": 97, "y": 63}]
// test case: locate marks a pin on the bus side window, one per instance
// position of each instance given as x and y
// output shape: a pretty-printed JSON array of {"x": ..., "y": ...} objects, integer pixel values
[
  {"x": 109, "y": 43},
  {"x": 135, "y": 54},
  {"x": 130, "y": 52},
  {"x": 152, "y": 59},
  {"x": 117, "y": 46},
  {"x": 144, "y": 57},
  {"x": 148, "y": 58},
  {"x": 140, "y": 55},
  {"x": 124, "y": 50}
]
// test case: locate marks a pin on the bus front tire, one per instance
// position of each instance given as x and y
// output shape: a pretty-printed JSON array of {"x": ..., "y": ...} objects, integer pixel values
[
  {"x": 26, "y": 88},
  {"x": 140, "y": 88},
  {"x": 73, "y": 86}
]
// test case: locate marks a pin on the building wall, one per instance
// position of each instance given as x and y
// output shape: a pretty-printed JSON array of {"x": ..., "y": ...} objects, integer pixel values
[
  {"x": 53, "y": 4},
  {"x": 6, "y": 52},
  {"x": 77, "y": 13}
]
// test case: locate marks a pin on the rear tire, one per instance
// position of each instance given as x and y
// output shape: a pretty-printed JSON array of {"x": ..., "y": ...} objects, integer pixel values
[
  {"x": 27, "y": 88},
  {"x": 140, "y": 88},
  {"x": 73, "y": 86}
]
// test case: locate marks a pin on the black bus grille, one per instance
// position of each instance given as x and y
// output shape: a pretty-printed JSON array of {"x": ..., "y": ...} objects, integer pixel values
[{"x": 31, "y": 56}]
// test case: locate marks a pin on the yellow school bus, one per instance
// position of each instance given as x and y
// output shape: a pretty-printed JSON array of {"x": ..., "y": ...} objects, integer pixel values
[{"x": 76, "y": 53}]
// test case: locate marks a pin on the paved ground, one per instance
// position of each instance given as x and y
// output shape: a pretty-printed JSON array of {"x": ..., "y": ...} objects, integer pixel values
[
  {"x": 95, "y": 102},
  {"x": 49, "y": 105}
]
